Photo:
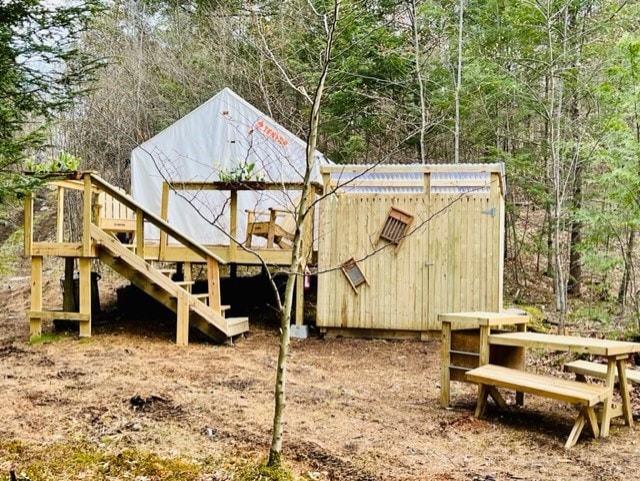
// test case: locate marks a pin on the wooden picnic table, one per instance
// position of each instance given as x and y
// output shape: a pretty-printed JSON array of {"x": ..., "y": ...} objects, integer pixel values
[{"x": 616, "y": 353}]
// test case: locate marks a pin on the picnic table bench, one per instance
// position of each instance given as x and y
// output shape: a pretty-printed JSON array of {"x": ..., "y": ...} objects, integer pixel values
[
  {"x": 489, "y": 377},
  {"x": 587, "y": 368}
]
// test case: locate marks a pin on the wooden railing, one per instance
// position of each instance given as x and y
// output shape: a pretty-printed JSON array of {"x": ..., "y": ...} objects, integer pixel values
[{"x": 92, "y": 185}]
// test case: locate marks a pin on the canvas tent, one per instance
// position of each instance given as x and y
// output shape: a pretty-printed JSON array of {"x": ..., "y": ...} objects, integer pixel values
[{"x": 220, "y": 136}]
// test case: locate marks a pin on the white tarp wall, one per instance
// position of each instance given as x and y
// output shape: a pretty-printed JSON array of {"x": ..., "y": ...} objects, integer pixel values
[{"x": 219, "y": 136}]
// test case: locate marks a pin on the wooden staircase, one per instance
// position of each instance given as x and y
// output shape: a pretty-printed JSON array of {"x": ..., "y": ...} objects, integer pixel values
[
  {"x": 133, "y": 261},
  {"x": 189, "y": 308}
]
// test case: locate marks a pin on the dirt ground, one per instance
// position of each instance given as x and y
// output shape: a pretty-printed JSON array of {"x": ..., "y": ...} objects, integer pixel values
[{"x": 357, "y": 409}]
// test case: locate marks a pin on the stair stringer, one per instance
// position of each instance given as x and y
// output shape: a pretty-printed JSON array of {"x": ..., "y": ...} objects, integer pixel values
[{"x": 146, "y": 277}]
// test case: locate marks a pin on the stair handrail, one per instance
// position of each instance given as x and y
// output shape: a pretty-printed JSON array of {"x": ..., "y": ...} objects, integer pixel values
[{"x": 156, "y": 220}]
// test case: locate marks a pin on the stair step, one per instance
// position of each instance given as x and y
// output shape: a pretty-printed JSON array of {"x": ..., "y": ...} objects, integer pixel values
[
  {"x": 237, "y": 325},
  {"x": 186, "y": 285},
  {"x": 204, "y": 297},
  {"x": 167, "y": 272},
  {"x": 153, "y": 282}
]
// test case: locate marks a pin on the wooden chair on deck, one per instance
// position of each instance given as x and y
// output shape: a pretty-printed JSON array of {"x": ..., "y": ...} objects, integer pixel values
[
  {"x": 276, "y": 231},
  {"x": 115, "y": 218}
]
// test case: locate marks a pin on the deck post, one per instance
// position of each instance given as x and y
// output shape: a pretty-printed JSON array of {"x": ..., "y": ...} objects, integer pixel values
[
  {"x": 84, "y": 268},
  {"x": 60, "y": 215},
  {"x": 164, "y": 215},
  {"x": 213, "y": 283},
  {"x": 28, "y": 224},
  {"x": 35, "y": 323},
  {"x": 182, "y": 312},
  {"x": 86, "y": 216},
  {"x": 233, "y": 226},
  {"x": 139, "y": 233},
  {"x": 272, "y": 228},
  {"x": 98, "y": 209}
]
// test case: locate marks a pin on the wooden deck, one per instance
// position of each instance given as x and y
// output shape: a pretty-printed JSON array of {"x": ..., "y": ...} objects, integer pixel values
[{"x": 135, "y": 261}]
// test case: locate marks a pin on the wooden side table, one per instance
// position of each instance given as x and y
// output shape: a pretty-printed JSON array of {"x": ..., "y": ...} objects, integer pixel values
[{"x": 465, "y": 346}]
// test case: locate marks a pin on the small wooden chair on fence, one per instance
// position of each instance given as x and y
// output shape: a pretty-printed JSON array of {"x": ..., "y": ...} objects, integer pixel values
[{"x": 276, "y": 231}]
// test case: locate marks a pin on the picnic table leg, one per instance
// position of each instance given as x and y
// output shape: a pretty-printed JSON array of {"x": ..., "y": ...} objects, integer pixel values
[
  {"x": 483, "y": 392},
  {"x": 576, "y": 430},
  {"x": 445, "y": 377},
  {"x": 624, "y": 390},
  {"x": 497, "y": 397},
  {"x": 590, "y": 415},
  {"x": 607, "y": 405},
  {"x": 484, "y": 346}
]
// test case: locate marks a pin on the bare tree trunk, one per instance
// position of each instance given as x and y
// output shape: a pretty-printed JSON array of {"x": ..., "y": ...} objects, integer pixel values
[
  {"x": 575, "y": 253},
  {"x": 417, "y": 62},
  {"x": 628, "y": 266},
  {"x": 550, "y": 271},
  {"x": 555, "y": 101},
  {"x": 548, "y": 181},
  {"x": 560, "y": 284},
  {"x": 295, "y": 268},
  {"x": 456, "y": 132}
]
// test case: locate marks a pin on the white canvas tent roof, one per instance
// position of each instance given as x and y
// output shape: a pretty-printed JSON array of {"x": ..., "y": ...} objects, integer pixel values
[{"x": 221, "y": 135}]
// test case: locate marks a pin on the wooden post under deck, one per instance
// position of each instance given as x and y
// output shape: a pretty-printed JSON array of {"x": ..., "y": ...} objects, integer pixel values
[
  {"x": 182, "y": 311},
  {"x": 140, "y": 233},
  {"x": 233, "y": 226},
  {"x": 213, "y": 283},
  {"x": 164, "y": 215},
  {"x": 188, "y": 276},
  {"x": 35, "y": 324},
  {"x": 84, "y": 268}
]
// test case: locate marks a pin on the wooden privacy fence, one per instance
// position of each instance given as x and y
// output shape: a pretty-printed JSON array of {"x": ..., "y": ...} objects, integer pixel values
[{"x": 448, "y": 257}]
